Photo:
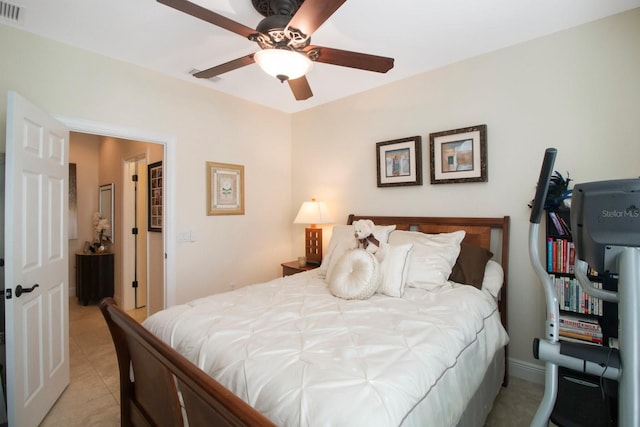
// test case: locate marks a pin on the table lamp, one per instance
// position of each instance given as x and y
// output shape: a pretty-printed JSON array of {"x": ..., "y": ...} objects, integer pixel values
[{"x": 313, "y": 213}]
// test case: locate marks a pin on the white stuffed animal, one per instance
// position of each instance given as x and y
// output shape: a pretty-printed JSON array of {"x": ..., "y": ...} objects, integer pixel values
[{"x": 366, "y": 240}]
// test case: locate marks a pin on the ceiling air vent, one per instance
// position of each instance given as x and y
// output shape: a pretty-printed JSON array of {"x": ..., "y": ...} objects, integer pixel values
[{"x": 11, "y": 13}]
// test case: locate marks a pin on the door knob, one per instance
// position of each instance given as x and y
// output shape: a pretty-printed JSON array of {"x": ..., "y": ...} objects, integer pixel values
[{"x": 20, "y": 290}]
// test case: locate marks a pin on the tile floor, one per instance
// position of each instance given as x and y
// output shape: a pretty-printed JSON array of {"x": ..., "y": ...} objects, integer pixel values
[{"x": 92, "y": 397}]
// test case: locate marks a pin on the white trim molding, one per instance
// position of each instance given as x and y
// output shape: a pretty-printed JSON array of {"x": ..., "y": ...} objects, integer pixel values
[{"x": 526, "y": 371}]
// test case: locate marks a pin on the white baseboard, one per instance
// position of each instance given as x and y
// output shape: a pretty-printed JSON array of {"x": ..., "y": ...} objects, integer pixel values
[{"x": 527, "y": 371}]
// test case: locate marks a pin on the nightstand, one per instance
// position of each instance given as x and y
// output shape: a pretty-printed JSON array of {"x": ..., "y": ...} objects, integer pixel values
[{"x": 292, "y": 267}]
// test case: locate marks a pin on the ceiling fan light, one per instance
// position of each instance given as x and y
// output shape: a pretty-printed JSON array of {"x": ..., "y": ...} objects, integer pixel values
[{"x": 283, "y": 64}]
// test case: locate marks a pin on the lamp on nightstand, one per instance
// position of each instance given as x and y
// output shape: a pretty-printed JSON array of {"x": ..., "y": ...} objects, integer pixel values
[{"x": 313, "y": 213}]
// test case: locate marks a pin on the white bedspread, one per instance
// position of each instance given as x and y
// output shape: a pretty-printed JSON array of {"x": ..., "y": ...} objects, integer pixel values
[{"x": 303, "y": 357}]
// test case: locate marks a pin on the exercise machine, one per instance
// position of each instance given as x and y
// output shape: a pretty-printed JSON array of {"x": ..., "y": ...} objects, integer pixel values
[{"x": 605, "y": 225}]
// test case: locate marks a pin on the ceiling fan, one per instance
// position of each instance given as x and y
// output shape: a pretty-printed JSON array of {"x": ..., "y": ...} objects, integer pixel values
[{"x": 284, "y": 36}]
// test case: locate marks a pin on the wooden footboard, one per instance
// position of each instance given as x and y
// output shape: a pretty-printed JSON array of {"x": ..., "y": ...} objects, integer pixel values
[{"x": 152, "y": 375}]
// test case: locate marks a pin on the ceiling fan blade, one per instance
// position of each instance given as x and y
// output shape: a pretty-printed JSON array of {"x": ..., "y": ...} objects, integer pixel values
[
  {"x": 312, "y": 14},
  {"x": 300, "y": 88},
  {"x": 344, "y": 58},
  {"x": 226, "y": 67},
  {"x": 209, "y": 16}
]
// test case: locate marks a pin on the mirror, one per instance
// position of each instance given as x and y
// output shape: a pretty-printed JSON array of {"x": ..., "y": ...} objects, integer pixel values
[{"x": 106, "y": 198}]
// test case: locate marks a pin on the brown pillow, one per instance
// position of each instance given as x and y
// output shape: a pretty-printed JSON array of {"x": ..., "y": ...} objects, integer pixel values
[{"x": 470, "y": 265}]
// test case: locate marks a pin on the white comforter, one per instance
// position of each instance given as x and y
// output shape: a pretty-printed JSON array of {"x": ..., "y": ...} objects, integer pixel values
[{"x": 303, "y": 357}]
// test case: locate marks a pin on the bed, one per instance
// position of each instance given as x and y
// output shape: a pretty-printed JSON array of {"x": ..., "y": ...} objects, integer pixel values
[{"x": 434, "y": 354}]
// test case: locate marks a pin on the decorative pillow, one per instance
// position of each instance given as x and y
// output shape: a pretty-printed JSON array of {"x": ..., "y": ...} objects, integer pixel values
[
  {"x": 493, "y": 278},
  {"x": 395, "y": 268},
  {"x": 470, "y": 265},
  {"x": 342, "y": 239},
  {"x": 356, "y": 275},
  {"x": 432, "y": 257}
]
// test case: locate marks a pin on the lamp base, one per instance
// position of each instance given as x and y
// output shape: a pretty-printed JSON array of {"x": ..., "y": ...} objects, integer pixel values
[{"x": 313, "y": 245}]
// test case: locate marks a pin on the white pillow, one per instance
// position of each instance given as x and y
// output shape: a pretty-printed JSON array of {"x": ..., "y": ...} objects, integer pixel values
[
  {"x": 342, "y": 239},
  {"x": 432, "y": 258},
  {"x": 395, "y": 267},
  {"x": 356, "y": 275},
  {"x": 493, "y": 278}
]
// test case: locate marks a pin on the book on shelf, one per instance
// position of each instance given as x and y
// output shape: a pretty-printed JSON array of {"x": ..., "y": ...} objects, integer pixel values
[
  {"x": 571, "y": 297},
  {"x": 581, "y": 329},
  {"x": 581, "y": 335},
  {"x": 579, "y": 340},
  {"x": 568, "y": 320},
  {"x": 566, "y": 226},
  {"x": 559, "y": 224},
  {"x": 561, "y": 256}
]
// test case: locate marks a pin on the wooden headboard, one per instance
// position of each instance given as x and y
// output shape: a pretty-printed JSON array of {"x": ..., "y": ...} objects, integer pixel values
[{"x": 489, "y": 233}]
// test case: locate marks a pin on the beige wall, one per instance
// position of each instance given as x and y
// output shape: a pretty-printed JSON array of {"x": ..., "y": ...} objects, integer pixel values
[
  {"x": 577, "y": 90},
  {"x": 207, "y": 126},
  {"x": 84, "y": 151}
]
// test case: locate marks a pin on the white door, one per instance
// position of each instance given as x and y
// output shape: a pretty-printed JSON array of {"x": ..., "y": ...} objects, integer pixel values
[
  {"x": 141, "y": 248},
  {"x": 134, "y": 246},
  {"x": 36, "y": 209}
]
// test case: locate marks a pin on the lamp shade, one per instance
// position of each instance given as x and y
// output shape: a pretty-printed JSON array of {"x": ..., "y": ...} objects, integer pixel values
[
  {"x": 313, "y": 212},
  {"x": 283, "y": 64}
]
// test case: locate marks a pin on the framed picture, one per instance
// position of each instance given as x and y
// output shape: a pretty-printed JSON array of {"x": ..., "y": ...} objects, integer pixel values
[
  {"x": 399, "y": 162},
  {"x": 225, "y": 189},
  {"x": 154, "y": 196},
  {"x": 73, "y": 203},
  {"x": 459, "y": 155}
]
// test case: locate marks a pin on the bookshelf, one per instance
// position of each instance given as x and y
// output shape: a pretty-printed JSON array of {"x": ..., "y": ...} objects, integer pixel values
[{"x": 583, "y": 318}]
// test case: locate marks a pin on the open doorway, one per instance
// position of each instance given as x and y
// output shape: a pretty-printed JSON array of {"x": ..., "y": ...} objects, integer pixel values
[
  {"x": 165, "y": 246},
  {"x": 122, "y": 164}
]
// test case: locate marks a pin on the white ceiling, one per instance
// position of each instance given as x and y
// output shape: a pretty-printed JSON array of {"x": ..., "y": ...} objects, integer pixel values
[{"x": 420, "y": 34}]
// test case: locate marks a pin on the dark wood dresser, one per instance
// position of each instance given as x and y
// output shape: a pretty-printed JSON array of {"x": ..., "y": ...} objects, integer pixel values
[{"x": 94, "y": 277}]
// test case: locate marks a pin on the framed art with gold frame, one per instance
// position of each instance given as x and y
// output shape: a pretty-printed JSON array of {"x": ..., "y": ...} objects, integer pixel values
[{"x": 225, "y": 189}]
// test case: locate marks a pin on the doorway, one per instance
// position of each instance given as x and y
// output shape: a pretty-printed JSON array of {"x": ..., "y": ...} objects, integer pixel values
[
  {"x": 166, "y": 245},
  {"x": 121, "y": 166}
]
